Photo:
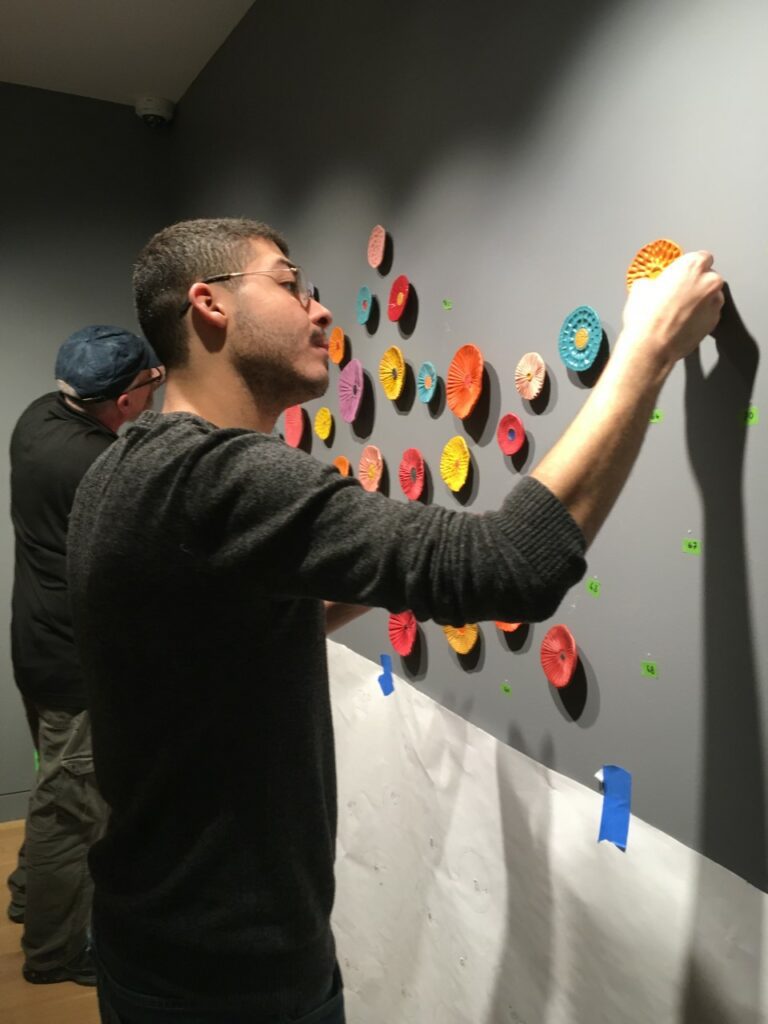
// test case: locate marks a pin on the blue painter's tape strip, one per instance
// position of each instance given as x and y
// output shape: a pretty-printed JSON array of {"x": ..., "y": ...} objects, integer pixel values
[
  {"x": 617, "y": 805},
  {"x": 385, "y": 679}
]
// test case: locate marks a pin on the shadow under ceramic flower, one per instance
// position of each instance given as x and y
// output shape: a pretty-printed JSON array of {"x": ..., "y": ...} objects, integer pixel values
[
  {"x": 518, "y": 641},
  {"x": 588, "y": 378},
  {"x": 477, "y": 421},
  {"x": 362, "y": 425},
  {"x": 406, "y": 325},
  {"x": 388, "y": 258},
  {"x": 404, "y": 401},
  {"x": 374, "y": 317},
  {"x": 547, "y": 396},
  {"x": 416, "y": 664}
]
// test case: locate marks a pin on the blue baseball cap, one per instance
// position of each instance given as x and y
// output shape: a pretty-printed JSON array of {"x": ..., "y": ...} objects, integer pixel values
[{"x": 100, "y": 362}]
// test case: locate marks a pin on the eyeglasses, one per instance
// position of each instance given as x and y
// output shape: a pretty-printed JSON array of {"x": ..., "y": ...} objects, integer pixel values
[
  {"x": 157, "y": 378},
  {"x": 301, "y": 289},
  {"x": 155, "y": 381}
]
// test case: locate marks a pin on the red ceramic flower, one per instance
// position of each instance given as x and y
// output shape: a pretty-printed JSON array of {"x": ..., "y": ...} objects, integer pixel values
[
  {"x": 411, "y": 473},
  {"x": 559, "y": 655},
  {"x": 398, "y": 297},
  {"x": 294, "y": 425},
  {"x": 402, "y": 632},
  {"x": 510, "y": 434}
]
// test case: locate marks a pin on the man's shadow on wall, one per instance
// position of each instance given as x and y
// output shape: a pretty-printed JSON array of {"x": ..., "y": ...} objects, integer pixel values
[{"x": 733, "y": 784}]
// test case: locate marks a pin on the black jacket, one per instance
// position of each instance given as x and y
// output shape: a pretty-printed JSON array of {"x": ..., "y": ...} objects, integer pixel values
[{"x": 52, "y": 446}]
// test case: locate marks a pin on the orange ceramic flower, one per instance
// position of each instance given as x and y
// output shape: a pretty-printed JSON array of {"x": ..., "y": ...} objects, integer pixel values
[
  {"x": 370, "y": 468},
  {"x": 529, "y": 375},
  {"x": 559, "y": 656},
  {"x": 462, "y": 638},
  {"x": 454, "y": 463},
  {"x": 508, "y": 627},
  {"x": 652, "y": 259},
  {"x": 336, "y": 345},
  {"x": 342, "y": 463},
  {"x": 323, "y": 423},
  {"x": 392, "y": 372},
  {"x": 464, "y": 382}
]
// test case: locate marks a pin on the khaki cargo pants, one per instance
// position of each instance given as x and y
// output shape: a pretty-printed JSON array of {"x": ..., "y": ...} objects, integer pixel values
[{"x": 66, "y": 815}]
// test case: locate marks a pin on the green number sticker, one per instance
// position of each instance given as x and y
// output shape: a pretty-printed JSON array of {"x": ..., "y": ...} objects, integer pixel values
[
  {"x": 447, "y": 304},
  {"x": 650, "y": 669},
  {"x": 593, "y": 587},
  {"x": 506, "y": 689},
  {"x": 752, "y": 416},
  {"x": 691, "y": 547},
  {"x": 657, "y": 416}
]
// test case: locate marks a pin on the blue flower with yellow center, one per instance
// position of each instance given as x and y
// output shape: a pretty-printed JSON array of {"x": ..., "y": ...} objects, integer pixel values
[{"x": 580, "y": 338}]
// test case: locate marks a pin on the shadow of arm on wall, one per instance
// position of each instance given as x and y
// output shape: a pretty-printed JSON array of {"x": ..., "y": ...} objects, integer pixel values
[{"x": 733, "y": 813}]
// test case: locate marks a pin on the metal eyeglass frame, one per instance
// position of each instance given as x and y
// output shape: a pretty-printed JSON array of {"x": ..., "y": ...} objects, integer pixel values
[{"x": 304, "y": 290}]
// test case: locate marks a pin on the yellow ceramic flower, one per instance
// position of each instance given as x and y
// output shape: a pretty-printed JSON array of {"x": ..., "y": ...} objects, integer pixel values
[
  {"x": 323, "y": 423},
  {"x": 462, "y": 638},
  {"x": 454, "y": 463},
  {"x": 392, "y": 372}
]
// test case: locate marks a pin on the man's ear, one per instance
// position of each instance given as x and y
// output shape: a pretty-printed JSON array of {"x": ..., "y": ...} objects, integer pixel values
[
  {"x": 204, "y": 304},
  {"x": 123, "y": 405}
]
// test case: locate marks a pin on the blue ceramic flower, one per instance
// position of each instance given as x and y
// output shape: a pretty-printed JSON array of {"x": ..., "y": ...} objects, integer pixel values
[
  {"x": 364, "y": 302},
  {"x": 426, "y": 382},
  {"x": 580, "y": 338}
]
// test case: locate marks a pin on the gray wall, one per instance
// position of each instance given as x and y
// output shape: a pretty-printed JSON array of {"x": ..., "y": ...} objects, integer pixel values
[
  {"x": 519, "y": 157},
  {"x": 82, "y": 185}
]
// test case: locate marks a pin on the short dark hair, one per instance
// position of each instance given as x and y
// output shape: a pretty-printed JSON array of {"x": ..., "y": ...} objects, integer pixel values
[{"x": 174, "y": 259}]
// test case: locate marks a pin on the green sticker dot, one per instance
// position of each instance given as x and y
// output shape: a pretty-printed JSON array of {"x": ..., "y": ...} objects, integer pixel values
[
  {"x": 37, "y": 762},
  {"x": 506, "y": 688},
  {"x": 593, "y": 587},
  {"x": 447, "y": 304},
  {"x": 650, "y": 669},
  {"x": 657, "y": 416},
  {"x": 691, "y": 546},
  {"x": 752, "y": 416}
]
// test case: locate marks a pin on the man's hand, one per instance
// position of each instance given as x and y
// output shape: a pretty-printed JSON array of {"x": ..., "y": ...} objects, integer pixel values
[
  {"x": 664, "y": 320},
  {"x": 673, "y": 312}
]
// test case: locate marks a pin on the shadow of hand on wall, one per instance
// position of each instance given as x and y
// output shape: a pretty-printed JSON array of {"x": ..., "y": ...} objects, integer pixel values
[{"x": 733, "y": 811}]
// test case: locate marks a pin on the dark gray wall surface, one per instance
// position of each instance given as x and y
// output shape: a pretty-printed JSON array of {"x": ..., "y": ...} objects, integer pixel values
[
  {"x": 519, "y": 156},
  {"x": 82, "y": 185}
]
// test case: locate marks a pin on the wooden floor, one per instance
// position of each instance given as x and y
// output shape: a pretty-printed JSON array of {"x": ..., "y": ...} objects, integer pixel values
[{"x": 20, "y": 1002}]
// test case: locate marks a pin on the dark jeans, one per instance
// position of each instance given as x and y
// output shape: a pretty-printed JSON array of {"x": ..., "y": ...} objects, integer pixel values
[{"x": 119, "y": 1005}]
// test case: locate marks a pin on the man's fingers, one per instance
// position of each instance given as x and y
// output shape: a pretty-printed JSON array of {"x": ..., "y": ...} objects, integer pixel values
[{"x": 706, "y": 259}]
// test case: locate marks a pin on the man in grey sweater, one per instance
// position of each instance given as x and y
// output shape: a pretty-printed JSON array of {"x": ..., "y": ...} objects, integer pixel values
[{"x": 232, "y": 555}]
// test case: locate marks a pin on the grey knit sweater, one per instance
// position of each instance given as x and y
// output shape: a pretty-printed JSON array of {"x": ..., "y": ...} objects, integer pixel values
[{"x": 198, "y": 559}]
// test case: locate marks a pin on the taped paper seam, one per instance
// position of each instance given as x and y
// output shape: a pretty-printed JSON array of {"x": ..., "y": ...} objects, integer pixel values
[{"x": 472, "y": 887}]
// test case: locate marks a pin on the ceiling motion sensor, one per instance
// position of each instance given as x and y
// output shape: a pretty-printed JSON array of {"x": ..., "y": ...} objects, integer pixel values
[{"x": 154, "y": 111}]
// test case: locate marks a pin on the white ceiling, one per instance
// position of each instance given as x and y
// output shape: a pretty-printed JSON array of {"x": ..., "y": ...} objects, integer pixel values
[{"x": 113, "y": 50}]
